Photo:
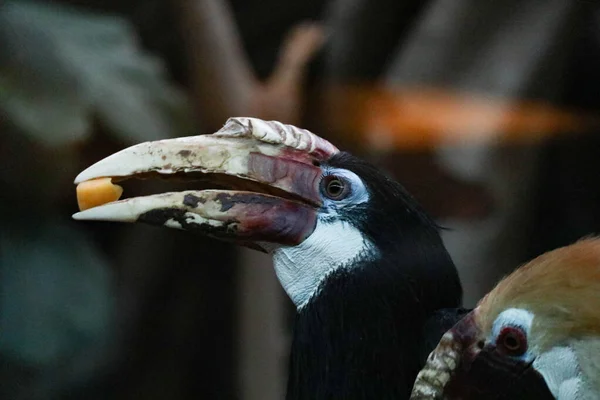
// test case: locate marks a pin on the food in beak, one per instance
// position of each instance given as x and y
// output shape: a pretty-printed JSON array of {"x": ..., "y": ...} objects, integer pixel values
[
  {"x": 267, "y": 173},
  {"x": 97, "y": 192}
]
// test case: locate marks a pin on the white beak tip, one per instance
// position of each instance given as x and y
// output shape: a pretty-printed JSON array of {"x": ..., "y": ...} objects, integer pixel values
[{"x": 120, "y": 211}]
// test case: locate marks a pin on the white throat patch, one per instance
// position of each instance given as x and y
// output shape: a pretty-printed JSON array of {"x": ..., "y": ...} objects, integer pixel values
[
  {"x": 560, "y": 370},
  {"x": 302, "y": 268}
]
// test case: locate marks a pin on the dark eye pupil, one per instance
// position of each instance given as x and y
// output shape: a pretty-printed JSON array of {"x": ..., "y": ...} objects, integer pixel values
[
  {"x": 335, "y": 188},
  {"x": 511, "y": 342}
]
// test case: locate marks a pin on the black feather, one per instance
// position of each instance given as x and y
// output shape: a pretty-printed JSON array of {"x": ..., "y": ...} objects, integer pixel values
[
  {"x": 361, "y": 336},
  {"x": 439, "y": 323}
]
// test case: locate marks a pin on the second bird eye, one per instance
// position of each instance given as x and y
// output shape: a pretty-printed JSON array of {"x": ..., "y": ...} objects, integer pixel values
[
  {"x": 334, "y": 187},
  {"x": 512, "y": 341}
]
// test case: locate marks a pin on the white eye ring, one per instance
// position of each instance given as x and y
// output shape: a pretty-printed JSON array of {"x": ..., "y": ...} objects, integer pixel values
[
  {"x": 349, "y": 188},
  {"x": 515, "y": 318}
]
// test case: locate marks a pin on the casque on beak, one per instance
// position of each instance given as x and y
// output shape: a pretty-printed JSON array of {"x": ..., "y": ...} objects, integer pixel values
[{"x": 270, "y": 172}]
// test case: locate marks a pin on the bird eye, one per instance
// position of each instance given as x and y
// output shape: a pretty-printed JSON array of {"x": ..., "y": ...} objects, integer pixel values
[
  {"x": 512, "y": 341},
  {"x": 334, "y": 187}
]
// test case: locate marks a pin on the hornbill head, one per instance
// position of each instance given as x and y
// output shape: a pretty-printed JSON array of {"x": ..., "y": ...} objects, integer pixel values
[
  {"x": 536, "y": 335},
  {"x": 283, "y": 190}
]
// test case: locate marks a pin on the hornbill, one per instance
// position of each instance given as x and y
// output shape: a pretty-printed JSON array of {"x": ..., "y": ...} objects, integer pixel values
[
  {"x": 536, "y": 335},
  {"x": 372, "y": 282}
]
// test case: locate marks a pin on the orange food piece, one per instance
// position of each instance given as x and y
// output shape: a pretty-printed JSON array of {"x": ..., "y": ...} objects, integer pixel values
[{"x": 96, "y": 192}]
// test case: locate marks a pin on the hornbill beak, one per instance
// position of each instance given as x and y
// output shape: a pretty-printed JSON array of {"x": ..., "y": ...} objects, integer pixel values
[
  {"x": 269, "y": 171},
  {"x": 465, "y": 366},
  {"x": 455, "y": 353}
]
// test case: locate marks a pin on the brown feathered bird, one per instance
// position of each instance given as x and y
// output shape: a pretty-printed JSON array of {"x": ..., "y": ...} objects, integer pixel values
[{"x": 536, "y": 335}]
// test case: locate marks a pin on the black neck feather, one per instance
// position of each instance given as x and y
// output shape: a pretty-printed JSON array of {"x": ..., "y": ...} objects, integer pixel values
[{"x": 362, "y": 336}]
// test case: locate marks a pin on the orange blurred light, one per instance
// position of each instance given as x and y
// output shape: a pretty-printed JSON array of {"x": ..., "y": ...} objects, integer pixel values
[{"x": 417, "y": 118}]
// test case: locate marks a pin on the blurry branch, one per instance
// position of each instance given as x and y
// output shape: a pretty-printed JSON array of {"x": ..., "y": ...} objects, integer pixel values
[
  {"x": 280, "y": 98},
  {"x": 221, "y": 76},
  {"x": 224, "y": 84}
]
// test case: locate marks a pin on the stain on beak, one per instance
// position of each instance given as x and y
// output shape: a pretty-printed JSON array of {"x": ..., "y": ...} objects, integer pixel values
[{"x": 270, "y": 172}]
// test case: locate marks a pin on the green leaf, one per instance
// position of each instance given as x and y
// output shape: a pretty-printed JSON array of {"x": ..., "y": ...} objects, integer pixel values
[{"x": 61, "y": 67}]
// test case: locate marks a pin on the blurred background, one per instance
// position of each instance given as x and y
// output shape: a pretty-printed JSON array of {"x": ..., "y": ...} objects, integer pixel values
[{"x": 486, "y": 111}]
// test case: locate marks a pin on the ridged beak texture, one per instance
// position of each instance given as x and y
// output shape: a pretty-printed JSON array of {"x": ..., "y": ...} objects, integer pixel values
[
  {"x": 270, "y": 171},
  {"x": 456, "y": 347}
]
